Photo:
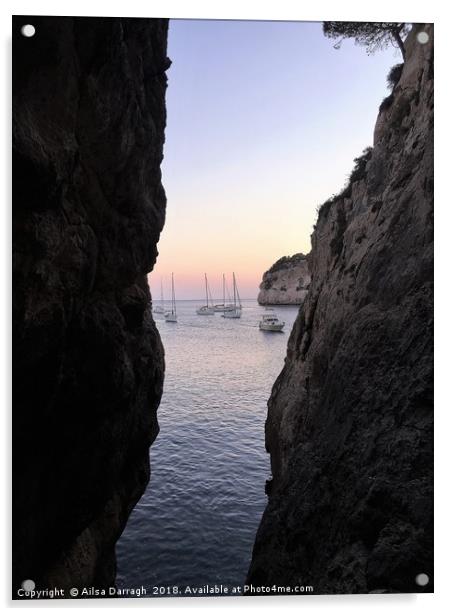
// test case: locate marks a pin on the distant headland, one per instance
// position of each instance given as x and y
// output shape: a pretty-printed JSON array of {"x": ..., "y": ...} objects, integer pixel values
[{"x": 286, "y": 282}]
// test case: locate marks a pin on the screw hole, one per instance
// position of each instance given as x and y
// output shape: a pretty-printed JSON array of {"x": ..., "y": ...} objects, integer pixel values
[
  {"x": 28, "y": 585},
  {"x": 422, "y": 579},
  {"x": 28, "y": 30},
  {"x": 422, "y": 38}
]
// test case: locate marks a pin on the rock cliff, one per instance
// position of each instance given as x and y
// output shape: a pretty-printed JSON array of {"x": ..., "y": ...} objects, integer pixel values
[
  {"x": 349, "y": 425},
  {"x": 286, "y": 282},
  {"x": 88, "y": 207}
]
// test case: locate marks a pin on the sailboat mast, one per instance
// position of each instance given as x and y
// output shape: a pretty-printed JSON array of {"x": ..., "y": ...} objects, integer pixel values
[
  {"x": 173, "y": 298},
  {"x": 209, "y": 293},
  {"x": 207, "y": 296},
  {"x": 233, "y": 283}
]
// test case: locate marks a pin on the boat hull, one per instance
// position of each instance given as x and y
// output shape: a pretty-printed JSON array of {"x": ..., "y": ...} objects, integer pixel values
[
  {"x": 232, "y": 314},
  {"x": 266, "y": 327},
  {"x": 220, "y": 308},
  {"x": 205, "y": 311},
  {"x": 170, "y": 318}
]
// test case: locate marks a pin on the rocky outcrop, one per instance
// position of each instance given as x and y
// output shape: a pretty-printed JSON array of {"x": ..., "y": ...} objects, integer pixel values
[
  {"x": 349, "y": 425},
  {"x": 286, "y": 282},
  {"x": 89, "y": 119}
]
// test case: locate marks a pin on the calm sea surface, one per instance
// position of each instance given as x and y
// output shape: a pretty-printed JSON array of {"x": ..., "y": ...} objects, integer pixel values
[{"x": 196, "y": 523}]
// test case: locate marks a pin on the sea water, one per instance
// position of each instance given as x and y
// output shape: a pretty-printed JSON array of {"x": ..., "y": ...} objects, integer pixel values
[{"x": 196, "y": 523}]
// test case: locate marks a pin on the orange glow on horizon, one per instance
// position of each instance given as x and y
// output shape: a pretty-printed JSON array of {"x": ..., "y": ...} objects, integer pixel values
[{"x": 247, "y": 244}]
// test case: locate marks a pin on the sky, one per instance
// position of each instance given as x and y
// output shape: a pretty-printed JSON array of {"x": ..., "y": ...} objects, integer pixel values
[{"x": 264, "y": 120}]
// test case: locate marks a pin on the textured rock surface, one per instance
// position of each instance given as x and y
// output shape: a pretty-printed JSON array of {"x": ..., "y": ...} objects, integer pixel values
[
  {"x": 89, "y": 118},
  {"x": 349, "y": 425},
  {"x": 286, "y": 282}
]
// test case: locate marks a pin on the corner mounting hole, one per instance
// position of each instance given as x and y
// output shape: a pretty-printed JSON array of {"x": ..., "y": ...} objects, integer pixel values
[
  {"x": 422, "y": 579},
  {"x": 422, "y": 38},
  {"x": 28, "y": 30},
  {"x": 28, "y": 585}
]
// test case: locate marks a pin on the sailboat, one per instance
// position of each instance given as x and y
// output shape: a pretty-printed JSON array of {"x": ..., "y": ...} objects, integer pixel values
[
  {"x": 171, "y": 315},
  {"x": 207, "y": 309},
  {"x": 161, "y": 308},
  {"x": 224, "y": 307},
  {"x": 236, "y": 311}
]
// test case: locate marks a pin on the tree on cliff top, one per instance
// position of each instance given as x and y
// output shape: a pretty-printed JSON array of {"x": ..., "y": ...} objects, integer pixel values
[{"x": 372, "y": 35}]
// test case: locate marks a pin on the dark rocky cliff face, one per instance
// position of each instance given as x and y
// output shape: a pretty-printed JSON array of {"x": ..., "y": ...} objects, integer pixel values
[
  {"x": 349, "y": 425},
  {"x": 89, "y": 119}
]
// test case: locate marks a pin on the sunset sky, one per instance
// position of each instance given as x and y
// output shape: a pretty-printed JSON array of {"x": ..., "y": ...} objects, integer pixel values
[{"x": 264, "y": 121}]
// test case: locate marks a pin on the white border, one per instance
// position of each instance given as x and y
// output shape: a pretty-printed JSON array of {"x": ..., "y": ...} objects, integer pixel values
[{"x": 388, "y": 10}]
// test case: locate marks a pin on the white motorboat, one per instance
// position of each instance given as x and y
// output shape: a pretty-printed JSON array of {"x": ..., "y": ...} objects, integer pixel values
[
  {"x": 270, "y": 322},
  {"x": 236, "y": 311},
  {"x": 208, "y": 309},
  {"x": 171, "y": 316}
]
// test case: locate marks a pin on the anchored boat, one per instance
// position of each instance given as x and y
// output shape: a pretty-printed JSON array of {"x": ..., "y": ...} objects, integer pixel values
[
  {"x": 208, "y": 309},
  {"x": 236, "y": 311},
  {"x": 270, "y": 322},
  {"x": 160, "y": 309},
  {"x": 171, "y": 316},
  {"x": 224, "y": 307}
]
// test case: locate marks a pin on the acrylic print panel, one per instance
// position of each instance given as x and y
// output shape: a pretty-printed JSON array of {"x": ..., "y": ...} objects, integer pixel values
[{"x": 249, "y": 315}]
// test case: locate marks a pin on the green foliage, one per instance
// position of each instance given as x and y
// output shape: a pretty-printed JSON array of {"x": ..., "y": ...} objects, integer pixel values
[
  {"x": 359, "y": 170},
  {"x": 357, "y": 173},
  {"x": 371, "y": 35},
  {"x": 324, "y": 208},
  {"x": 394, "y": 75},
  {"x": 386, "y": 103},
  {"x": 392, "y": 80},
  {"x": 286, "y": 262}
]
